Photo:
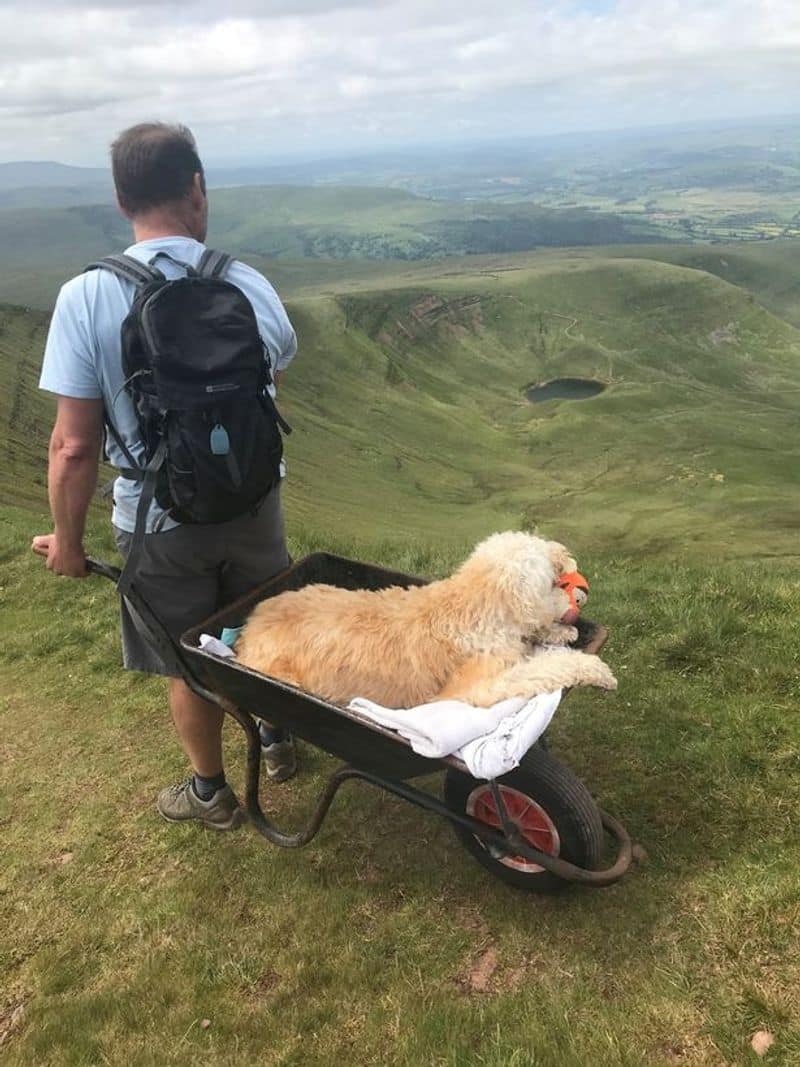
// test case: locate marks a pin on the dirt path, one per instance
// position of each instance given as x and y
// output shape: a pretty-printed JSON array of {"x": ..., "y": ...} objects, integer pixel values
[{"x": 572, "y": 323}]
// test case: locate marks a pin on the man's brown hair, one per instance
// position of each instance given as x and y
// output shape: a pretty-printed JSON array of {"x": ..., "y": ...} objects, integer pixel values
[{"x": 153, "y": 164}]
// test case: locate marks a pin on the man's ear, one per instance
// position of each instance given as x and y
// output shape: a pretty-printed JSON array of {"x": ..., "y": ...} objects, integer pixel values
[{"x": 199, "y": 185}]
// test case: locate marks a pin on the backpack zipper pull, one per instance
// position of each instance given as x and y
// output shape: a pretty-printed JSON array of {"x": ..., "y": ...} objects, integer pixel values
[{"x": 219, "y": 440}]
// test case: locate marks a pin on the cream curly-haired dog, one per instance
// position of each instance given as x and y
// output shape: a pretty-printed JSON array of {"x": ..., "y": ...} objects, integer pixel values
[{"x": 476, "y": 636}]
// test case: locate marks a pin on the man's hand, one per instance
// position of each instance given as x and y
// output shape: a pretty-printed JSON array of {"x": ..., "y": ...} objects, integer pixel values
[{"x": 69, "y": 562}]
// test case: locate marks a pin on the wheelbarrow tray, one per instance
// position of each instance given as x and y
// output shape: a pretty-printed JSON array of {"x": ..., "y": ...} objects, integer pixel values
[{"x": 353, "y": 738}]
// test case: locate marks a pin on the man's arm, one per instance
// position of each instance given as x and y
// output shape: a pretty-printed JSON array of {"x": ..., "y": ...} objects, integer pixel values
[{"x": 71, "y": 479}]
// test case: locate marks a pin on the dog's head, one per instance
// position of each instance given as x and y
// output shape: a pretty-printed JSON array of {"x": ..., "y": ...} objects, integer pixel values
[{"x": 520, "y": 573}]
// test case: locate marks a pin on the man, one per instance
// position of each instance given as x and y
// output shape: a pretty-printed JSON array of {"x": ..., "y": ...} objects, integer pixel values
[{"x": 185, "y": 572}]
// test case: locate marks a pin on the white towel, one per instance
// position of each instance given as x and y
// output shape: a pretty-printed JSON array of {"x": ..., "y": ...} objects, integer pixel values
[
  {"x": 216, "y": 647},
  {"x": 490, "y": 741}
]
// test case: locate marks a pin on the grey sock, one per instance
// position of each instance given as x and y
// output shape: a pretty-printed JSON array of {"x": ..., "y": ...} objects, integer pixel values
[{"x": 205, "y": 788}]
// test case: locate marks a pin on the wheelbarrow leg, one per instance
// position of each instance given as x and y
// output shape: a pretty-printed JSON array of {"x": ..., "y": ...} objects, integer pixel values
[
  {"x": 253, "y": 773},
  {"x": 251, "y": 802}
]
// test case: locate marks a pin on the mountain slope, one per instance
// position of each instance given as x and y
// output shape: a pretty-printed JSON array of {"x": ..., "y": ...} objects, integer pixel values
[
  {"x": 693, "y": 436},
  {"x": 25, "y": 413},
  {"x": 767, "y": 269},
  {"x": 411, "y": 417}
]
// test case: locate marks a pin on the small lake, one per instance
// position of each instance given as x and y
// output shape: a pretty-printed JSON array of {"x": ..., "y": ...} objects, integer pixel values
[{"x": 564, "y": 389}]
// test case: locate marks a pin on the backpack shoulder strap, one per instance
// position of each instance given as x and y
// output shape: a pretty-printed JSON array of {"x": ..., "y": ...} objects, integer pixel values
[
  {"x": 128, "y": 268},
  {"x": 149, "y": 477},
  {"x": 213, "y": 264}
]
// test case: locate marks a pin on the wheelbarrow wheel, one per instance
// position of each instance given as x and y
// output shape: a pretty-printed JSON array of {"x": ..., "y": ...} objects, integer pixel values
[{"x": 552, "y": 808}]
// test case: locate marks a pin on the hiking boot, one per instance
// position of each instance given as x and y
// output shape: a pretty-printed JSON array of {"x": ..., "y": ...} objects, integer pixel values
[
  {"x": 178, "y": 803},
  {"x": 280, "y": 760}
]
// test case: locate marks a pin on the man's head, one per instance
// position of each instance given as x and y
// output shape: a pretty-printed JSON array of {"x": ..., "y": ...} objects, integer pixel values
[{"x": 159, "y": 179}]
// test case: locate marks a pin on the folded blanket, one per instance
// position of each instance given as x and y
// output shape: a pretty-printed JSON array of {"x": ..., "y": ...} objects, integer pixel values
[
  {"x": 490, "y": 741},
  {"x": 216, "y": 647}
]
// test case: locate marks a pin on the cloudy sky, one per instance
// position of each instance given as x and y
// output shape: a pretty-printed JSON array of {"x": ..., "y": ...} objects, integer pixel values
[{"x": 280, "y": 78}]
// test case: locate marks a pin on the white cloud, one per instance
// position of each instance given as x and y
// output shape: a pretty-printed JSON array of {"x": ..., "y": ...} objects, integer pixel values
[{"x": 251, "y": 76}]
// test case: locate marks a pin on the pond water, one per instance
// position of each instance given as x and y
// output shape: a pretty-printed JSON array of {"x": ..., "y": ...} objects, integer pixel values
[{"x": 564, "y": 389}]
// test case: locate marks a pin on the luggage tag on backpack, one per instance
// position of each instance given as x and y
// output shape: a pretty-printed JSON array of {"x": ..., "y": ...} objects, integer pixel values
[
  {"x": 221, "y": 446},
  {"x": 220, "y": 442}
]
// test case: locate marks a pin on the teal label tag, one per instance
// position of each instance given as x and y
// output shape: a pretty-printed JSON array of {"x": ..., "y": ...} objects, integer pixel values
[{"x": 220, "y": 442}]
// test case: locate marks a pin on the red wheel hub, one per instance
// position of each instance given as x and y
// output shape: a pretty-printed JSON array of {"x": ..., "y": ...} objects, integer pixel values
[{"x": 531, "y": 820}]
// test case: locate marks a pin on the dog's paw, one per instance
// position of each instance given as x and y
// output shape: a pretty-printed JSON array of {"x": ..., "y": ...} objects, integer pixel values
[
  {"x": 593, "y": 671},
  {"x": 606, "y": 679}
]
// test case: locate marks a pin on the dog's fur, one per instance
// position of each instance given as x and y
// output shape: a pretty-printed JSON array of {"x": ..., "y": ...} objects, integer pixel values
[{"x": 475, "y": 636}]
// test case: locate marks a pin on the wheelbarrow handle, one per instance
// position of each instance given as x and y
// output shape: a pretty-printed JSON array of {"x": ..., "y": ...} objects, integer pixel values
[{"x": 107, "y": 570}]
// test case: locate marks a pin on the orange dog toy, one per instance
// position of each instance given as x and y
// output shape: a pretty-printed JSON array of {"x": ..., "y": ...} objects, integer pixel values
[{"x": 577, "y": 589}]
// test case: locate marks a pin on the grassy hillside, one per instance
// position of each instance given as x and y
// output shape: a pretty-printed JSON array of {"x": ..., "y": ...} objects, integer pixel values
[
  {"x": 766, "y": 269},
  {"x": 123, "y": 939},
  {"x": 413, "y": 396},
  {"x": 25, "y": 414},
  {"x": 692, "y": 438}
]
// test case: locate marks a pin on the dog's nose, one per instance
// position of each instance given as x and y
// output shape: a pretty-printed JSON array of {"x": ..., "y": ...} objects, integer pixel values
[{"x": 570, "y": 617}]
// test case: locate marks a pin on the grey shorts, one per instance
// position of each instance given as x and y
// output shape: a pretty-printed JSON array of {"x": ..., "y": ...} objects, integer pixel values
[{"x": 187, "y": 573}]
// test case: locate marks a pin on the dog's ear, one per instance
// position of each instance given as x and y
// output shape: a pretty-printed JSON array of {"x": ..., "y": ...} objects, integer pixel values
[{"x": 562, "y": 561}]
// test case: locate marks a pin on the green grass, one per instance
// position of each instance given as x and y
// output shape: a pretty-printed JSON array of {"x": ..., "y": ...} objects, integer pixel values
[
  {"x": 120, "y": 935},
  {"x": 123, "y": 934}
]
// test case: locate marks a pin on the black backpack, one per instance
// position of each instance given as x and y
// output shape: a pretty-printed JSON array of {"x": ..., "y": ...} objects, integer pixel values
[{"x": 198, "y": 373}]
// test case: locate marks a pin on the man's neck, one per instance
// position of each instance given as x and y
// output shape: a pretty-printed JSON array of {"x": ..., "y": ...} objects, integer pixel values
[
  {"x": 150, "y": 225},
  {"x": 152, "y": 233}
]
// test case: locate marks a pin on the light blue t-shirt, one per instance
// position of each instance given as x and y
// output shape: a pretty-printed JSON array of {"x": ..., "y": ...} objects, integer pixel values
[{"x": 83, "y": 355}]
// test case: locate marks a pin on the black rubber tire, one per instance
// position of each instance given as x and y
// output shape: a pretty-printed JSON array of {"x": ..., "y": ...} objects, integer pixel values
[{"x": 565, "y": 799}]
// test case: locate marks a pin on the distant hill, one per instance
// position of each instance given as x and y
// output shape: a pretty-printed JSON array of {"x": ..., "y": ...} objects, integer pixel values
[
  {"x": 32, "y": 239},
  {"x": 50, "y": 175},
  {"x": 341, "y": 223},
  {"x": 45, "y": 185},
  {"x": 39, "y": 247}
]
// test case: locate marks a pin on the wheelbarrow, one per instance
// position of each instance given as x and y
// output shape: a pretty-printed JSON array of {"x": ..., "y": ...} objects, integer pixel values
[{"x": 537, "y": 827}]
